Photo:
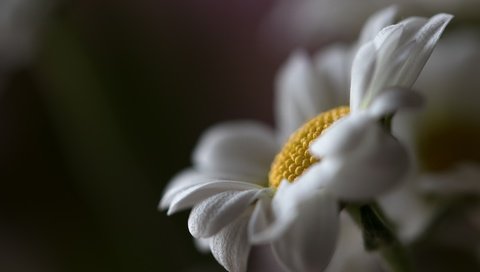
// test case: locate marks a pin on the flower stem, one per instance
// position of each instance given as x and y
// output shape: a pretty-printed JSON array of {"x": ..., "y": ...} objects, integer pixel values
[{"x": 378, "y": 235}]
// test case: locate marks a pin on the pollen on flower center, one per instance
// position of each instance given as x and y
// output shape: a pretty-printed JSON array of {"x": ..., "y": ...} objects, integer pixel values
[{"x": 294, "y": 158}]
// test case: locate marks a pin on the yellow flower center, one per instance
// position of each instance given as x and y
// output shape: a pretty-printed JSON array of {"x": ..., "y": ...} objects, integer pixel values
[{"x": 294, "y": 158}]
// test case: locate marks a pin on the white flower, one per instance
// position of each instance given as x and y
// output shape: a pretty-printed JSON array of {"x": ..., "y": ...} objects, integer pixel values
[{"x": 357, "y": 159}]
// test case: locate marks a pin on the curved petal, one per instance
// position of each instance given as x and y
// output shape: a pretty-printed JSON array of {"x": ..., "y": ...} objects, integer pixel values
[
  {"x": 344, "y": 135},
  {"x": 309, "y": 243},
  {"x": 411, "y": 26},
  {"x": 196, "y": 194},
  {"x": 393, "y": 100},
  {"x": 180, "y": 182},
  {"x": 425, "y": 40},
  {"x": 238, "y": 151},
  {"x": 211, "y": 215},
  {"x": 230, "y": 246},
  {"x": 402, "y": 50},
  {"x": 393, "y": 46},
  {"x": 374, "y": 164}
]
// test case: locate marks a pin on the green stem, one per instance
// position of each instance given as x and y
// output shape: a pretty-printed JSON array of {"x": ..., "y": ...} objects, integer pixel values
[{"x": 378, "y": 235}]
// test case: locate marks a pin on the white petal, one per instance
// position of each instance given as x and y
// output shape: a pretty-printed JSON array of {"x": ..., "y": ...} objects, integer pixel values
[
  {"x": 271, "y": 221},
  {"x": 197, "y": 193},
  {"x": 260, "y": 220},
  {"x": 402, "y": 51},
  {"x": 230, "y": 246},
  {"x": 309, "y": 243},
  {"x": 211, "y": 215},
  {"x": 385, "y": 44},
  {"x": 238, "y": 151},
  {"x": 344, "y": 135},
  {"x": 393, "y": 45},
  {"x": 180, "y": 182},
  {"x": 333, "y": 66},
  {"x": 299, "y": 94},
  {"x": 390, "y": 101},
  {"x": 374, "y": 165},
  {"x": 314, "y": 178},
  {"x": 408, "y": 209},
  {"x": 350, "y": 254},
  {"x": 363, "y": 68},
  {"x": 425, "y": 40},
  {"x": 411, "y": 26},
  {"x": 377, "y": 22}
]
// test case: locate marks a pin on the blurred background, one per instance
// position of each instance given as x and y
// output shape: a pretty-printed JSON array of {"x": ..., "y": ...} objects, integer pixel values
[{"x": 101, "y": 103}]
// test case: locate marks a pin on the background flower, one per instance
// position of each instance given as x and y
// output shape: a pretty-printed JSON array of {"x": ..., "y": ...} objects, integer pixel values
[{"x": 440, "y": 136}]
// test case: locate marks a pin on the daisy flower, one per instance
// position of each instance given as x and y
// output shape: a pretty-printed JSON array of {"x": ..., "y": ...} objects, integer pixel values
[{"x": 243, "y": 194}]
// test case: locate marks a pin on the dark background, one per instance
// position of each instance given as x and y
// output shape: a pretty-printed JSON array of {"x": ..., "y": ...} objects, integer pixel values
[{"x": 107, "y": 110}]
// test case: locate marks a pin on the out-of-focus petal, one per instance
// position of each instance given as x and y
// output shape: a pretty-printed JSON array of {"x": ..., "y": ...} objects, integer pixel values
[
  {"x": 373, "y": 163},
  {"x": 197, "y": 193},
  {"x": 260, "y": 220},
  {"x": 230, "y": 246},
  {"x": 270, "y": 223},
  {"x": 272, "y": 218},
  {"x": 299, "y": 94},
  {"x": 238, "y": 151},
  {"x": 344, "y": 135},
  {"x": 363, "y": 68},
  {"x": 377, "y": 22},
  {"x": 463, "y": 179},
  {"x": 408, "y": 210},
  {"x": 333, "y": 66},
  {"x": 309, "y": 243},
  {"x": 350, "y": 253},
  {"x": 180, "y": 182},
  {"x": 212, "y": 214},
  {"x": 395, "y": 99}
]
